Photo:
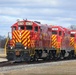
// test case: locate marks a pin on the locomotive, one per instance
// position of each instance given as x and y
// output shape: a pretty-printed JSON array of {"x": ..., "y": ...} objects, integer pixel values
[
  {"x": 32, "y": 40},
  {"x": 59, "y": 41},
  {"x": 72, "y": 43}
]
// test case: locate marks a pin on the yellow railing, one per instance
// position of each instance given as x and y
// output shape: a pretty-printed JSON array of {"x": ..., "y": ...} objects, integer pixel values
[{"x": 6, "y": 45}]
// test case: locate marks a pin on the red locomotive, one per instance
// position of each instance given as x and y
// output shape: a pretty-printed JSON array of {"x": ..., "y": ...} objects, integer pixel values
[
  {"x": 59, "y": 41},
  {"x": 32, "y": 40},
  {"x": 72, "y": 43}
]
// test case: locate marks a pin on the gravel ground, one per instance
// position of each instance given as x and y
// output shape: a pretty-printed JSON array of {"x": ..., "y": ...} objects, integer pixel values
[
  {"x": 3, "y": 59},
  {"x": 53, "y": 68},
  {"x": 2, "y": 55}
]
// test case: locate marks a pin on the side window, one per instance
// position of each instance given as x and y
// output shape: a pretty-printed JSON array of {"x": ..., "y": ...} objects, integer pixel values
[
  {"x": 28, "y": 27},
  {"x": 14, "y": 28},
  {"x": 21, "y": 28},
  {"x": 36, "y": 28},
  {"x": 60, "y": 33}
]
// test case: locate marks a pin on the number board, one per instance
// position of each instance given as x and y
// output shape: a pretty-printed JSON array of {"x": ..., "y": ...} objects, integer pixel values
[
  {"x": 20, "y": 23},
  {"x": 73, "y": 32},
  {"x": 54, "y": 28},
  {"x": 29, "y": 23}
]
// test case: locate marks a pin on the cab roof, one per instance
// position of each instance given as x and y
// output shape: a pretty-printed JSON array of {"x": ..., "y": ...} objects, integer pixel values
[{"x": 24, "y": 23}]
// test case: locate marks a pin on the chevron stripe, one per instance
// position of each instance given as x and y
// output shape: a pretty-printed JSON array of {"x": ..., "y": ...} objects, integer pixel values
[
  {"x": 71, "y": 41},
  {"x": 15, "y": 37},
  {"x": 54, "y": 40},
  {"x": 26, "y": 35},
  {"x": 26, "y": 40}
]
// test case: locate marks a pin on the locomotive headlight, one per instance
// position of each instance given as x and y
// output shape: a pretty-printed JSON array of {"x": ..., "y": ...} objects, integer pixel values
[
  {"x": 25, "y": 47},
  {"x": 11, "y": 47}
]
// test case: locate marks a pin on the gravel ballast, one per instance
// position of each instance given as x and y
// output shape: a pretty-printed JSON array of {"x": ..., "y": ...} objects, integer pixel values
[{"x": 51, "y": 68}]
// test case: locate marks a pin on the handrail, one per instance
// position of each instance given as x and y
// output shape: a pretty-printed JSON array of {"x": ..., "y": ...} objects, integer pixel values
[{"x": 6, "y": 45}]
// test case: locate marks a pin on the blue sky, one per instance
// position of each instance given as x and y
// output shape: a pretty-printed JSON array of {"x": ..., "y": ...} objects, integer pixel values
[{"x": 56, "y": 12}]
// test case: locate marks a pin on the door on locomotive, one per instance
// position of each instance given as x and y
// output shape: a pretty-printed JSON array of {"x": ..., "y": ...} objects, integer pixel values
[
  {"x": 57, "y": 38},
  {"x": 72, "y": 43}
]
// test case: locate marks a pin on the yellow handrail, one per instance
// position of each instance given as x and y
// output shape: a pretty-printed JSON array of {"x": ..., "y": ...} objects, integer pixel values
[{"x": 6, "y": 45}]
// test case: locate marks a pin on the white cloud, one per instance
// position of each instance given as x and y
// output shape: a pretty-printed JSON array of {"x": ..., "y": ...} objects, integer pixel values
[
  {"x": 29, "y": 11},
  {"x": 29, "y": 3},
  {"x": 57, "y": 12}
]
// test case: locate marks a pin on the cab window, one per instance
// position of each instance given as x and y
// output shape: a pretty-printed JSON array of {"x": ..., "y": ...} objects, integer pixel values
[
  {"x": 36, "y": 28},
  {"x": 28, "y": 27},
  {"x": 14, "y": 28},
  {"x": 54, "y": 32},
  {"x": 21, "y": 28},
  {"x": 60, "y": 33},
  {"x": 72, "y": 35}
]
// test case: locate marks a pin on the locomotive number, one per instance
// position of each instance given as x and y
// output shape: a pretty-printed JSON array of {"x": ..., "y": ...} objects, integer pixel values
[
  {"x": 73, "y": 32},
  {"x": 54, "y": 28},
  {"x": 20, "y": 23},
  {"x": 29, "y": 23}
]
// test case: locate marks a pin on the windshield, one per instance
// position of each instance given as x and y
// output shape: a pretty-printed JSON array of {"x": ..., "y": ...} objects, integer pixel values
[
  {"x": 54, "y": 32},
  {"x": 29, "y": 27},
  {"x": 21, "y": 28}
]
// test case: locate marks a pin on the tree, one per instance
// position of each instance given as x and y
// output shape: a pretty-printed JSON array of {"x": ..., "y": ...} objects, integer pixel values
[
  {"x": 2, "y": 41},
  {"x": 73, "y": 27}
]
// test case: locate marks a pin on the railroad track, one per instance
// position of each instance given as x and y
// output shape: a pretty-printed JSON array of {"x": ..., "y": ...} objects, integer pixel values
[
  {"x": 11, "y": 66},
  {"x": 12, "y": 63}
]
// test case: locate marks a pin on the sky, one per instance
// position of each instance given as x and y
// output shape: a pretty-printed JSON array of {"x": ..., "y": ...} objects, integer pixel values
[{"x": 51, "y": 12}]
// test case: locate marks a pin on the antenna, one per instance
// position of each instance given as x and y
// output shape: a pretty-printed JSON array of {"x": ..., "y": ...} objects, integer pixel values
[{"x": 18, "y": 20}]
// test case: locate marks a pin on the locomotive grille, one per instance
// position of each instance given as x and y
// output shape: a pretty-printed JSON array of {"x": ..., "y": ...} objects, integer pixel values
[
  {"x": 54, "y": 41},
  {"x": 22, "y": 37},
  {"x": 71, "y": 41}
]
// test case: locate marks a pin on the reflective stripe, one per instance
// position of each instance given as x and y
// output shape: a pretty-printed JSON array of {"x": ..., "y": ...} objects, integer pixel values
[
  {"x": 71, "y": 41},
  {"x": 54, "y": 41},
  {"x": 21, "y": 36}
]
